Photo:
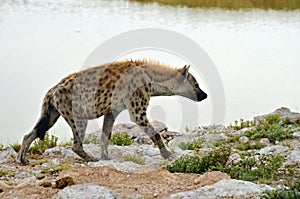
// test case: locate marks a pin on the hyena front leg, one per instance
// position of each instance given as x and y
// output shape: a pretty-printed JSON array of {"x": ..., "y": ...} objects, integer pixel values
[
  {"x": 107, "y": 127},
  {"x": 138, "y": 115},
  {"x": 156, "y": 138},
  {"x": 78, "y": 129},
  {"x": 108, "y": 123}
]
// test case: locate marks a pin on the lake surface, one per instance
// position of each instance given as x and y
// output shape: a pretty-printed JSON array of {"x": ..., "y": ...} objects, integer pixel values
[{"x": 256, "y": 54}]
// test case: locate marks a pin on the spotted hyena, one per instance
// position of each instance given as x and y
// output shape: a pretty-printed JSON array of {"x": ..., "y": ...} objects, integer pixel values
[{"x": 107, "y": 90}]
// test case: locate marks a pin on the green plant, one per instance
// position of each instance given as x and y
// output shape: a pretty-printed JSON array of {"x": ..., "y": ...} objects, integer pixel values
[
  {"x": 1, "y": 147},
  {"x": 252, "y": 144},
  {"x": 134, "y": 158},
  {"x": 94, "y": 140},
  {"x": 190, "y": 145},
  {"x": 120, "y": 139},
  {"x": 291, "y": 177},
  {"x": 287, "y": 144},
  {"x": 272, "y": 128},
  {"x": 281, "y": 194},
  {"x": 39, "y": 146},
  {"x": 7, "y": 173},
  {"x": 238, "y": 125},
  {"x": 16, "y": 146},
  {"x": 66, "y": 143},
  {"x": 215, "y": 160},
  {"x": 251, "y": 169},
  {"x": 187, "y": 129}
]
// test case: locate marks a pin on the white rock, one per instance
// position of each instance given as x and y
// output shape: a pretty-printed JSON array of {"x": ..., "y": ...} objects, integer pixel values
[
  {"x": 158, "y": 126},
  {"x": 234, "y": 158},
  {"x": 143, "y": 139},
  {"x": 293, "y": 157},
  {"x": 81, "y": 191},
  {"x": 274, "y": 150},
  {"x": 7, "y": 155},
  {"x": 30, "y": 181},
  {"x": 296, "y": 134},
  {"x": 213, "y": 137},
  {"x": 225, "y": 189},
  {"x": 53, "y": 151},
  {"x": 67, "y": 152},
  {"x": 215, "y": 128},
  {"x": 55, "y": 161},
  {"x": 244, "y": 139},
  {"x": 264, "y": 142},
  {"x": 182, "y": 138},
  {"x": 282, "y": 112},
  {"x": 45, "y": 165},
  {"x": 126, "y": 167}
]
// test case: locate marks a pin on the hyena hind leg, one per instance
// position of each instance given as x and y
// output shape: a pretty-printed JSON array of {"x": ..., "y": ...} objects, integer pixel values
[{"x": 46, "y": 121}]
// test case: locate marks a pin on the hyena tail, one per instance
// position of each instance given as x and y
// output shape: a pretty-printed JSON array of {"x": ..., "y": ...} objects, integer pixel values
[{"x": 47, "y": 119}]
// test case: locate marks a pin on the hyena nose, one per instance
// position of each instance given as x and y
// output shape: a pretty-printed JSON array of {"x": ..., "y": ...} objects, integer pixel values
[{"x": 201, "y": 96}]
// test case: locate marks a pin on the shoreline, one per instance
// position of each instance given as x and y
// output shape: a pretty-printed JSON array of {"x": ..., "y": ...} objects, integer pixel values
[{"x": 231, "y": 4}]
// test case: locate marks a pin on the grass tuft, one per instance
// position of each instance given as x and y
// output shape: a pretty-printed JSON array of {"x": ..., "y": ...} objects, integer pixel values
[
  {"x": 190, "y": 145},
  {"x": 121, "y": 139},
  {"x": 39, "y": 146},
  {"x": 135, "y": 158}
]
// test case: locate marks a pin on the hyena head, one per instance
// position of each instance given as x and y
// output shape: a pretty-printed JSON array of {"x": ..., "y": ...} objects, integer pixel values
[{"x": 187, "y": 86}]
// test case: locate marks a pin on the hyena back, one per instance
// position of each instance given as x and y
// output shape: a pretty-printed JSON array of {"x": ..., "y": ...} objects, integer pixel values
[{"x": 107, "y": 90}]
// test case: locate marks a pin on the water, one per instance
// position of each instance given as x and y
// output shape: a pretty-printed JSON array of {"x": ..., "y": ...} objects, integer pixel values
[{"x": 255, "y": 52}]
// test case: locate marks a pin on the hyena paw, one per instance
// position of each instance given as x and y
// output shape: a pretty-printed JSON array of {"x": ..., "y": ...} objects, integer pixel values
[
  {"x": 104, "y": 157},
  {"x": 91, "y": 159},
  {"x": 166, "y": 154},
  {"x": 22, "y": 160}
]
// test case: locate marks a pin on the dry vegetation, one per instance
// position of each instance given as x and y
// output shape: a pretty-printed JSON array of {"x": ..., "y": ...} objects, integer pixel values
[{"x": 233, "y": 4}]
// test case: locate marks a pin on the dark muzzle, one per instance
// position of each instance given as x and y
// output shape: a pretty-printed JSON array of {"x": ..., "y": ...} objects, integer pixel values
[{"x": 201, "y": 96}]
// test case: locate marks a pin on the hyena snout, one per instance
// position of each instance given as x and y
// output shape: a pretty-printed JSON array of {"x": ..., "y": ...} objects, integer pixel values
[{"x": 201, "y": 95}]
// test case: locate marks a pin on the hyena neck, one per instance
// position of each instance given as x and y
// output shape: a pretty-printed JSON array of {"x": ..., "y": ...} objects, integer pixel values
[
  {"x": 160, "y": 90},
  {"x": 163, "y": 78}
]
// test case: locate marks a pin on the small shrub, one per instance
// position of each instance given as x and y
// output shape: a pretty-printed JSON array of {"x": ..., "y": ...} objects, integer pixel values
[
  {"x": 94, "y": 140},
  {"x": 39, "y": 146},
  {"x": 16, "y": 146},
  {"x": 66, "y": 143},
  {"x": 120, "y": 139},
  {"x": 249, "y": 145},
  {"x": 190, "y": 145},
  {"x": 186, "y": 164},
  {"x": 272, "y": 128},
  {"x": 287, "y": 121},
  {"x": 281, "y": 193},
  {"x": 250, "y": 169},
  {"x": 238, "y": 125},
  {"x": 187, "y": 129},
  {"x": 1, "y": 147},
  {"x": 134, "y": 158},
  {"x": 215, "y": 160}
]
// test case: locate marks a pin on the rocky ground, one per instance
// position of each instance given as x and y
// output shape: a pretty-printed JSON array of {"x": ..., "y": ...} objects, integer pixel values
[{"x": 60, "y": 173}]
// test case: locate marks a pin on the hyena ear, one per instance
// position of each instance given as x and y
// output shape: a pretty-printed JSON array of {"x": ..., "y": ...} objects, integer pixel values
[{"x": 185, "y": 72}]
